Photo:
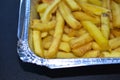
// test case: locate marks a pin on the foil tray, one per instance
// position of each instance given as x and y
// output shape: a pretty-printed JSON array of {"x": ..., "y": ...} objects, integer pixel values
[{"x": 26, "y": 13}]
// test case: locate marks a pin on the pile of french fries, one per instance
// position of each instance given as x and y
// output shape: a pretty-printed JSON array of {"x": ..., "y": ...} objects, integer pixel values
[{"x": 76, "y": 29}]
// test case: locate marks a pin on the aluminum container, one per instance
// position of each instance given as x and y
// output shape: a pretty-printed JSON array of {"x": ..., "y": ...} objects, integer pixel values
[{"x": 26, "y": 13}]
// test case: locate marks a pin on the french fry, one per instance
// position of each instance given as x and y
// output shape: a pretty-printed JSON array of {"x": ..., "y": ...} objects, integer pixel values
[
  {"x": 105, "y": 25},
  {"x": 79, "y": 15},
  {"x": 44, "y": 34},
  {"x": 73, "y": 5},
  {"x": 66, "y": 38},
  {"x": 37, "y": 43},
  {"x": 117, "y": 49},
  {"x": 93, "y": 9},
  {"x": 95, "y": 2},
  {"x": 114, "y": 43},
  {"x": 65, "y": 55},
  {"x": 30, "y": 40},
  {"x": 42, "y": 7},
  {"x": 81, "y": 1},
  {"x": 47, "y": 41},
  {"x": 67, "y": 15},
  {"x": 113, "y": 54},
  {"x": 96, "y": 34},
  {"x": 48, "y": 1},
  {"x": 52, "y": 51},
  {"x": 64, "y": 46},
  {"x": 51, "y": 32},
  {"x": 80, "y": 51},
  {"x": 118, "y": 1},
  {"x": 46, "y": 16},
  {"x": 43, "y": 26},
  {"x": 91, "y": 54},
  {"x": 116, "y": 32},
  {"x": 116, "y": 14},
  {"x": 95, "y": 46},
  {"x": 79, "y": 41}
]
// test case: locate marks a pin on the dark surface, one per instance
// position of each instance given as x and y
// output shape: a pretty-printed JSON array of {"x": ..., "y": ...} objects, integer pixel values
[{"x": 11, "y": 68}]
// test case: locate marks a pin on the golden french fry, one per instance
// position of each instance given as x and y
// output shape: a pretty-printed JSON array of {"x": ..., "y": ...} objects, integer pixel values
[
  {"x": 96, "y": 34},
  {"x": 80, "y": 51},
  {"x": 47, "y": 1},
  {"x": 46, "y": 16},
  {"x": 42, "y": 7},
  {"x": 105, "y": 25},
  {"x": 91, "y": 54},
  {"x": 79, "y": 41},
  {"x": 114, "y": 43},
  {"x": 43, "y": 26},
  {"x": 81, "y": 1},
  {"x": 93, "y": 9},
  {"x": 67, "y": 15},
  {"x": 117, "y": 49},
  {"x": 116, "y": 32},
  {"x": 66, "y": 38},
  {"x": 95, "y": 46},
  {"x": 64, "y": 46},
  {"x": 112, "y": 54},
  {"x": 73, "y": 5},
  {"x": 96, "y": 2},
  {"x": 118, "y": 1},
  {"x": 37, "y": 43},
  {"x": 52, "y": 51},
  {"x": 116, "y": 14},
  {"x": 79, "y": 15},
  {"x": 65, "y": 55},
  {"x": 47, "y": 41},
  {"x": 44, "y": 34},
  {"x": 30, "y": 39}
]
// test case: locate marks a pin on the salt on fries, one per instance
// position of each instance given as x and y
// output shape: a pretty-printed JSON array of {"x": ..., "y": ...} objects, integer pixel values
[{"x": 76, "y": 29}]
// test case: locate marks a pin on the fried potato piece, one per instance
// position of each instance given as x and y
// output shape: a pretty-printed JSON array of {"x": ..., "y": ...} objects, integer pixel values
[
  {"x": 93, "y": 9},
  {"x": 116, "y": 32},
  {"x": 81, "y": 1},
  {"x": 76, "y": 42},
  {"x": 73, "y": 5},
  {"x": 44, "y": 34},
  {"x": 113, "y": 54},
  {"x": 114, "y": 43},
  {"x": 118, "y": 1},
  {"x": 30, "y": 39},
  {"x": 37, "y": 43},
  {"x": 116, "y": 14},
  {"x": 66, "y": 38},
  {"x": 47, "y": 41},
  {"x": 52, "y": 51},
  {"x": 79, "y": 15},
  {"x": 67, "y": 15},
  {"x": 46, "y": 16},
  {"x": 105, "y": 25},
  {"x": 65, "y": 55},
  {"x": 43, "y": 26},
  {"x": 64, "y": 46},
  {"x": 95, "y": 2},
  {"x": 80, "y": 51},
  {"x": 48, "y": 1},
  {"x": 96, "y": 34},
  {"x": 42, "y": 7},
  {"x": 95, "y": 46},
  {"x": 91, "y": 54},
  {"x": 117, "y": 49}
]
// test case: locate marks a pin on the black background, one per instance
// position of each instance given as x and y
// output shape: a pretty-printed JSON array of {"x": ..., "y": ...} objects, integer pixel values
[{"x": 11, "y": 68}]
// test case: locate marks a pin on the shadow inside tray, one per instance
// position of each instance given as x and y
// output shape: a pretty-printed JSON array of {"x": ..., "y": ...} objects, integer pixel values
[{"x": 70, "y": 72}]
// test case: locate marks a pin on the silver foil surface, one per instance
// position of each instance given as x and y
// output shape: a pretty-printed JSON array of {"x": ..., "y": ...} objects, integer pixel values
[{"x": 26, "y": 13}]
